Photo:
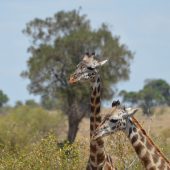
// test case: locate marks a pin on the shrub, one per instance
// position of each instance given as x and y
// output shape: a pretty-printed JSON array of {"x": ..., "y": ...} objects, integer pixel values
[
  {"x": 29, "y": 141},
  {"x": 24, "y": 125},
  {"x": 45, "y": 154}
]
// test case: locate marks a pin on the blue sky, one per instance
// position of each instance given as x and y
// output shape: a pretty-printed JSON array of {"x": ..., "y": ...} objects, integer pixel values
[{"x": 144, "y": 26}]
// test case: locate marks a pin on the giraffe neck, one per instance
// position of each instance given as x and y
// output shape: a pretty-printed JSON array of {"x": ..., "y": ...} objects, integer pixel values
[
  {"x": 95, "y": 117},
  {"x": 97, "y": 152},
  {"x": 146, "y": 150}
]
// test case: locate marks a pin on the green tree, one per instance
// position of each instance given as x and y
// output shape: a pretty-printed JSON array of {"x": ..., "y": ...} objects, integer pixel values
[
  {"x": 154, "y": 93},
  {"x": 130, "y": 97},
  {"x": 48, "y": 102},
  {"x": 159, "y": 89},
  {"x": 18, "y": 103},
  {"x": 3, "y": 98},
  {"x": 57, "y": 45},
  {"x": 31, "y": 103}
]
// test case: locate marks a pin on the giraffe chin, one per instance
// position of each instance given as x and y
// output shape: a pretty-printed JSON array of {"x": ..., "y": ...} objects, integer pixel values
[
  {"x": 99, "y": 135},
  {"x": 72, "y": 81},
  {"x": 95, "y": 137}
]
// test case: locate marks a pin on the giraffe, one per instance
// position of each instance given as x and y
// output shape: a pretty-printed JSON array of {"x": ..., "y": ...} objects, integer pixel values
[
  {"x": 87, "y": 71},
  {"x": 122, "y": 119}
]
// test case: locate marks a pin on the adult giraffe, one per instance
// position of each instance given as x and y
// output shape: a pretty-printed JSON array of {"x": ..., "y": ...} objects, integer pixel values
[
  {"x": 87, "y": 71},
  {"x": 122, "y": 119}
]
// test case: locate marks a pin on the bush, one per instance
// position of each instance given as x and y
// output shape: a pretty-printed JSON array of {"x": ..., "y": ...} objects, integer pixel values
[
  {"x": 24, "y": 125},
  {"x": 125, "y": 156},
  {"x": 44, "y": 155},
  {"x": 29, "y": 141}
]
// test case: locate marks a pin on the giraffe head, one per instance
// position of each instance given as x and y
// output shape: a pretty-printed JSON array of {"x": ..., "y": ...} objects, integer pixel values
[
  {"x": 86, "y": 69},
  {"x": 114, "y": 121}
]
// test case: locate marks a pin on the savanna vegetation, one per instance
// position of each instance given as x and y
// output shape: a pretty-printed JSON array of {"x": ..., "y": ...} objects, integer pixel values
[
  {"x": 54, "y": 134},
  {"x": 32, "y": 138}
]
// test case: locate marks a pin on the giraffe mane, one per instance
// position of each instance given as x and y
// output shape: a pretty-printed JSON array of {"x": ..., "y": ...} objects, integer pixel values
[
  {"x": 107, "y": 116},
  {"x": 149, "y": 139}
]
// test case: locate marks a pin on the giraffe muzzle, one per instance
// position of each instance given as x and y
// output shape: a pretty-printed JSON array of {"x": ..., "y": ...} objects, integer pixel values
[
  {"x": 96, "y": 135},
  {"x": 72, "y": 80}
]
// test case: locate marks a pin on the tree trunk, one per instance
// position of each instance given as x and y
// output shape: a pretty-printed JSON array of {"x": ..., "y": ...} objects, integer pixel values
[
  {"x": 75, "y": 115},
  {"x": 72, "y": 129}
]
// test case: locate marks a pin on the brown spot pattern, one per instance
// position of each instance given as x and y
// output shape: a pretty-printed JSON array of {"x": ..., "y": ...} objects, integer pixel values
[
  {"x": 97, "y": 100},
  {"x": 100, "y": 142},
  {"x": 91, "y": 127},
  {"x": 98, "y": 89},
  {"x": 92, "y": 158},
  {"x": 143, "y": 131},
  {"x": 98, "y": 80},
  {"x": 94, "y": 92},
  {"x": 139, "y": 148},
  {"x": 92, "y": 100},
  {"x": 100, "y": 158},
  {"x": 93, "y": 148},
  {"x": 130, "y": 131},
  {"x": 96, "y": 125},
  {"x": 95, "y": 120},
  {"x": 134, "y": 139},
  {"x": 92, "y": 108},
  {"x": 98, "y": 119},
  {"x": 92, "y": 119},
  {"x": 146, "y": 159},
  {"x": 98, "y": 110},
  {"x": 149, "y": 139},
  {"x": 141, "y": 137},
  {"x": 152, "y": 168},
  {"x": 134, "y": 129}
]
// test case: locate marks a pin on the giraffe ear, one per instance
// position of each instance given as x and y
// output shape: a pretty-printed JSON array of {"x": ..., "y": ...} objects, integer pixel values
[
  {"x": 86, "y": 57},
  {"x": 97, "y": 63},
  {"x": 101, "y": 63},
  {"x": 130, "y": 112}
]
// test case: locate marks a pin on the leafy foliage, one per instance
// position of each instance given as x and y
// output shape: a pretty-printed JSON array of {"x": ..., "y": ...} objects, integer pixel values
[
  {"x": 31, "y": 102},
  {"x": 24, "y": 125},
  {"x": 57, "y": 45},
  {"x": 154, "y": 93},
  {"x": 48, "y": 102},
  {"x": 3, "y": 98},
  {"x": 44, "y": 154}
]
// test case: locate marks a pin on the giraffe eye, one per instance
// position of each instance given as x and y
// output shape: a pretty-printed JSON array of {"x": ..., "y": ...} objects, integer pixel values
[
  {"x": 89, "y": 68},
  {"x": 113, "y": 120}
]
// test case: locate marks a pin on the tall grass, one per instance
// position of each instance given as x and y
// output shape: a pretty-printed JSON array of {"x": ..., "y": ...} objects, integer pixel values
[{"x": 29, "y": 140}]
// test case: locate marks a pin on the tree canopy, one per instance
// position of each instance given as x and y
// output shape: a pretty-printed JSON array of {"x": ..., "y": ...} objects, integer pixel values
[
  {"x": 3, "y": 98},
  {"x": 57, "y": 44},
  {"x": 155, "y": 92}
]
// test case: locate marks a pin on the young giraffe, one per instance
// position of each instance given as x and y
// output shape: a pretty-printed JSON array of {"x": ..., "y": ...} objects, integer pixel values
[
  {"x": 147, "y": 151},
  {"x": 87, "y": 71}
]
